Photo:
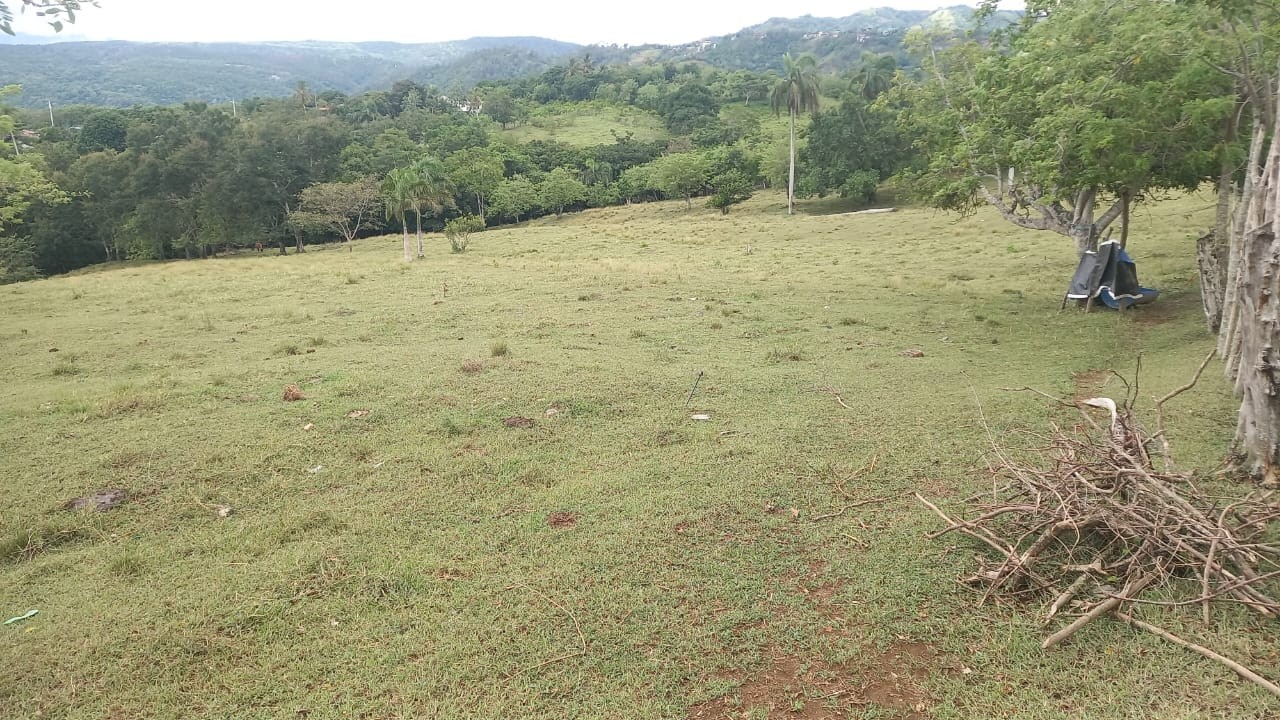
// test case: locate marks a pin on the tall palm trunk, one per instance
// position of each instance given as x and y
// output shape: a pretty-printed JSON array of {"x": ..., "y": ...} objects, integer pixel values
[
  {"x": 404, "y": 229},
  {"x": 419, "y": 214},
  {"x": 791, "y": 173}
]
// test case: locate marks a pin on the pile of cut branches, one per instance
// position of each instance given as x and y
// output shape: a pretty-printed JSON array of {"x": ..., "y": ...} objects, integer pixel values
[{"x": 1086, "y": 524}]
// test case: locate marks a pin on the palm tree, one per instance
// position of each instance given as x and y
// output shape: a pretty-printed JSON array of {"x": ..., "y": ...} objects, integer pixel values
[
  {"x": 797, "y": 91},
  {"x": 399, "y": 188},
  {"x": 430, "y": 189},
  {"x": 873, "y": 75}
]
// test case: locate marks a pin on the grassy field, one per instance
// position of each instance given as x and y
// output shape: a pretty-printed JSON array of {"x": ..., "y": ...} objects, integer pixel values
[
  {"x": 493, "y": 501},
  {"x": 588, "y": 125}
]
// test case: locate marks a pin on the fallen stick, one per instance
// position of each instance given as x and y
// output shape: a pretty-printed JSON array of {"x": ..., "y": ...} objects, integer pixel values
[
  {"x": 966, "y": 528},
  {"x": 1067, "y": 596},
  {"x": 1239, "y": 669},
  {"x": 836, "y": 394},
  {"x": 1100, "y": 609}
]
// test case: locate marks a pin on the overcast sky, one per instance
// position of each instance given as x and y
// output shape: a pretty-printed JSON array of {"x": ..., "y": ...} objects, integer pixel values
[{"x": 601, "y": 21}]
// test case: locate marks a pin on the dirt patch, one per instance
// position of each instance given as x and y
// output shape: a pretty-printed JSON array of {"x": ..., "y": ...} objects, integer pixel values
[
  {"x": 100, "y": 501},
  {"x": 912, "y": 353},
  {"x": 1088, "y": 382},
  {"x": 899, "y": 672},
  {"x": 802, "y": 686},
  {"x": 293, "y": 393},
  {"x": 516, "y": 421},
  {"x": 795, "y": 687},
  {"x": 563, "y": 519}
]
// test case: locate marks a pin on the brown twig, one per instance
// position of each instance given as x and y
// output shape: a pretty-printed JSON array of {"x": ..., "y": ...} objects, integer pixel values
[
  {"x": 582, "y": 639},
  {"x": 1239, "y": 669},
  {"x": 1159, "y": 407},
  {"x": 836, "y": 394},
  {"x": 850, "y": 506}
]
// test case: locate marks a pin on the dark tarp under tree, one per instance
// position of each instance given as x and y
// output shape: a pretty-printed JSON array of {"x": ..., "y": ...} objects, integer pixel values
[{"x": 1110, "y": 276}]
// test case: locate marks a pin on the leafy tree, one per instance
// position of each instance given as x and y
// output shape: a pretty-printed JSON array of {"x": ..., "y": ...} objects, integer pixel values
[
  {"x": 636, "y": 181},
  {"x": 459, "y": 231},
  {"x": 851, "y": 149},
  {"x": 729, "y": 189},
  {"x": 688, "y": 107},
  {"x": 22, "y": 183},
  {"x": 1092, "y": 106},
  {"x": 476, "y": 171},
  {"x": 682, "y": 175},
  {"x": 344, "y": 206},
  {"x": 560, "y": 189},
  {"x": 515, "y": 196},
  {"x": 390, "y": 149},
  {"x": 499, "y": 105},
  {"x": 104, "y": 130},
  {"x": 797, "y": 91},
  {"x": 259, "y": 175}
]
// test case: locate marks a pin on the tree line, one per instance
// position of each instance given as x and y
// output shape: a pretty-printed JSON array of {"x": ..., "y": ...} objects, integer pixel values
[{"x": 190, "y": 180}]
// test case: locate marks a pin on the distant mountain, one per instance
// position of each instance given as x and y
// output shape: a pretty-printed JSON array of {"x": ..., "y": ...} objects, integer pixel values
[
  {"x": 836, "y": 43},
  {"x": 121, "y": 73},
  {"x": 126, "y": 73}
]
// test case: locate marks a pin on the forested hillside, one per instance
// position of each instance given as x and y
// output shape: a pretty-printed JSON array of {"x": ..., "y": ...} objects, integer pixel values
[{"x": 120, "y": 74}]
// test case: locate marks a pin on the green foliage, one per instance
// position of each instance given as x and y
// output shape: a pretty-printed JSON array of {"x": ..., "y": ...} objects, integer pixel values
[
  {"x": 682, "y": 174},
  {"x": 729, "y": 189},
  {"x": 1098, "y": 99},
  {"x": 560, "y": 189},
  {"x": 459, "y": 231},
  {"x": 515, "y": 197},
  {"x": 104, "y": 130},
  {"x": 852, "y": 148},
  {"x": 343, "y": 206},
  {"x": 797, "y": 90},
  {"x": 476, "y": 171}
]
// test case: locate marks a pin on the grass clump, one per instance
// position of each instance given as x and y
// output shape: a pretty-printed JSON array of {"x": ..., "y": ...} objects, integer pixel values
[
  {"x": 499, "y": 349},
  {"x": 779, "y": 355}
]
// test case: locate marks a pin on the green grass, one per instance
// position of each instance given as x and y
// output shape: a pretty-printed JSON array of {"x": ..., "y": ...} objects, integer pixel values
[
  {"x": 585, "y": 125},
  {"x": 401, "y": 563}
]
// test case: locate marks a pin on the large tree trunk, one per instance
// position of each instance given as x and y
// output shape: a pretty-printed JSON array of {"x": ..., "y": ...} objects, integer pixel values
[
  {"x": 1213, "y": 247},
  {"x": 1083, "y": 230},
  {"x": 1211, "y": 251},
  {"x": 791, "y": 172},
  {"x": 1257, "y": 359},
  {"x": 404, "y": 230},
  {"x": 1232, "y": 307}
]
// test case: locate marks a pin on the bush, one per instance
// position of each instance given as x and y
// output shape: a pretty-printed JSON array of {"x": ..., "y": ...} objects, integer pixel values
[
  {"x": 459, "y": 231},
  {"x": 730, "y": 188}
]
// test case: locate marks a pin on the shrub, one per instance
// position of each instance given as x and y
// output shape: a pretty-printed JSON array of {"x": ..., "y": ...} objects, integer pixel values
[{"x": 459, "y": 231}]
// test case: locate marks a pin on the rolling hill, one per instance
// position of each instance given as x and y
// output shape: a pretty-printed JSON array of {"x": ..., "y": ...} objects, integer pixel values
[{"x": 127, "y": 73}]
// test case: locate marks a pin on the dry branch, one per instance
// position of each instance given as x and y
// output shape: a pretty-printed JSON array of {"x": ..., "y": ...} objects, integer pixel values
[{"x": 1082, "y": 510}]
